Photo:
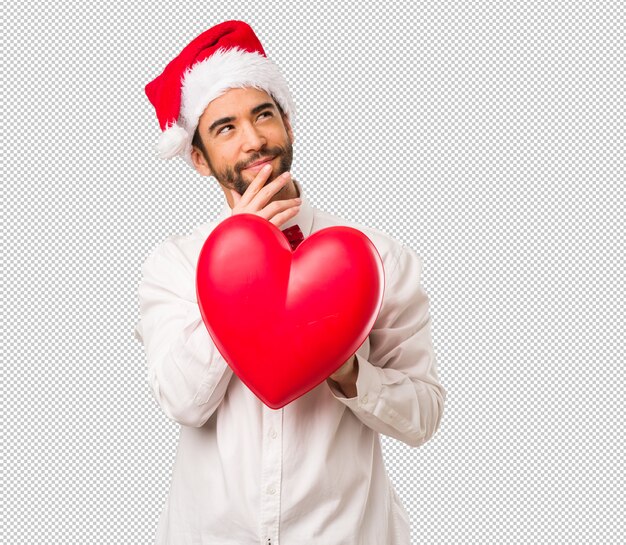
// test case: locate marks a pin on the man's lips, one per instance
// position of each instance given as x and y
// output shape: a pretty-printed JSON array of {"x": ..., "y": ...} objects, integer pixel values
[{"x": 259, "y": 164}]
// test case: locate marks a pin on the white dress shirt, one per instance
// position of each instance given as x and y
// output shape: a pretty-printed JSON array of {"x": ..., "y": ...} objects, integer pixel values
[{"x": 311, "y": 472}]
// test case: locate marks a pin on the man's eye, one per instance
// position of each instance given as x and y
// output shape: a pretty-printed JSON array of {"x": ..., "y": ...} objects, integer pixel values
[{"x": 221, "y": 131}]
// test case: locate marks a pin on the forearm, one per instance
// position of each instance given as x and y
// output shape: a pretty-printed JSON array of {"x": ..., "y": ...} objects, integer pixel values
[
  {"x": 394, "y": 404},
  {"x": 397, "y": 391},
  {"x": 188, "y": 376},
  {"x": 186, "y": 372}
]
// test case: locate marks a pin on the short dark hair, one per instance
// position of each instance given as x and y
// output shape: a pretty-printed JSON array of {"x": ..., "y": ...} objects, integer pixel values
[{"x": 197, "y": 141}]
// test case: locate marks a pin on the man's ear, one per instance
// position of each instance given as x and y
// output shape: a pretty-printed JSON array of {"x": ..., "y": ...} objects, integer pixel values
[{"x": 199, "y": 162}]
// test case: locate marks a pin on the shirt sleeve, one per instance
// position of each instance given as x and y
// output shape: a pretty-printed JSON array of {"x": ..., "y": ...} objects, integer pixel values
[
  {"x": 187, "y": 374},
  {"x": 398, "y": 390}
]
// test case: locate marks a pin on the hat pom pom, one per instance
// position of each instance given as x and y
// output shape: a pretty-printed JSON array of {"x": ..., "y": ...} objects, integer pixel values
[{"x": 173, "y": 141}]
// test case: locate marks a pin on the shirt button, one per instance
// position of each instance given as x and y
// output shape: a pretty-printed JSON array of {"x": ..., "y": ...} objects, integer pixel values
[
  {"x": 271, "y": 490},
  {"x": 364, "y": 399},
  {"x": 273, "y": 434}
]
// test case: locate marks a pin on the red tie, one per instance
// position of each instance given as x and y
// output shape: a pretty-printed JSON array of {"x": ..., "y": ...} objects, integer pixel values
[{"x": 294, "y": 236}]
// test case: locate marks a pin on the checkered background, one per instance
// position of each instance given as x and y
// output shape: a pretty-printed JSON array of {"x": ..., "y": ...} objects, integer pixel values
[{"x": 488, "y": 136}]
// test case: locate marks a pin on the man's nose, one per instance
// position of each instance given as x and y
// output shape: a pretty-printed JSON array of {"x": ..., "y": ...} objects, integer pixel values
[{"x": 253, "y": 138}]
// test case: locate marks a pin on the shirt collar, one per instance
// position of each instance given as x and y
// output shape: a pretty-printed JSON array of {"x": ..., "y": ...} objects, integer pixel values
[{"x": 304, "y": 218}]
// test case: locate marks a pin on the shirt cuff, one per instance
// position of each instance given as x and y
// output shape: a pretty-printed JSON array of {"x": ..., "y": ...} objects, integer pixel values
[{"x": 368, "y": 386}]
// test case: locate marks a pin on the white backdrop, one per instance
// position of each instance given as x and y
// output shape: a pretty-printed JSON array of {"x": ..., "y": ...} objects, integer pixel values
[{"x": 482, "y": 134}]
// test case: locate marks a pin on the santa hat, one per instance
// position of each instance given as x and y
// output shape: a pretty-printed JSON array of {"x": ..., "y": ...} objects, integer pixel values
[{"x": 227, "y": 55}]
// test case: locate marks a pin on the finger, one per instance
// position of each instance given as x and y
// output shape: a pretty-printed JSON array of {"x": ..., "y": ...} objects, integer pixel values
[
  {"x": 235, "y": 196},
  {"x": 283, "y": 217},
  {"x": 256, "y": 185},
  {"x": 266, "y": 193},
  {"x": 277, "y": 207}
]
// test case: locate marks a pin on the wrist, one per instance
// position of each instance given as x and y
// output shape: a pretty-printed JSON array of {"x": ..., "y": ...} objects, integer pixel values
[
  {"x": 346, "y": 382},
  {"x": 348, "y": 373}
]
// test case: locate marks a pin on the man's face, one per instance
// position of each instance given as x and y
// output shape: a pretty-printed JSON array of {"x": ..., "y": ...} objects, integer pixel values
[{"x": 238, "y": 129}]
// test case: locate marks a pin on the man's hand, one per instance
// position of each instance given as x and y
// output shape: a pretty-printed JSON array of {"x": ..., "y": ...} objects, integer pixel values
[
  {"x": 345, "y": 370},
  {"x": 257, "y": 195},
  {"x": 346, "y": 376}
]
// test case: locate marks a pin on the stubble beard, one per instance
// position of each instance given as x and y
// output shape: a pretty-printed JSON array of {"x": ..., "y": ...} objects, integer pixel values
[{"x": 231, "y": 177}]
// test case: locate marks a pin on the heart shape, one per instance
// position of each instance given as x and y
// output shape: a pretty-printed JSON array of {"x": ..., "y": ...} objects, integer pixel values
[{"x": 286, "y": 320}]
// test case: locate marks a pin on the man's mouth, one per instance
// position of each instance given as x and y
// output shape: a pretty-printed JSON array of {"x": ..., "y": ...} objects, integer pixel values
[{"x": 260, "y": 164}]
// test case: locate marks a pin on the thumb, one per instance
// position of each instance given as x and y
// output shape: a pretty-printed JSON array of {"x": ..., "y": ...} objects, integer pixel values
[{"x": 235, "y": 195}]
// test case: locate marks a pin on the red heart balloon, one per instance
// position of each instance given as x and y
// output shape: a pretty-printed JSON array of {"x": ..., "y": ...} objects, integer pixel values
[{"x": 286, "y": 320}]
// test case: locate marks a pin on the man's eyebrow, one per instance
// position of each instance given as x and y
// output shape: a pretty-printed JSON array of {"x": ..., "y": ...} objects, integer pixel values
[{"x": 254, "y": 110}]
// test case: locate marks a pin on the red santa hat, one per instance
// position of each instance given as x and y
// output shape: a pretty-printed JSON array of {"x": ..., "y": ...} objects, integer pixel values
[{"x": 225, "y": 56}]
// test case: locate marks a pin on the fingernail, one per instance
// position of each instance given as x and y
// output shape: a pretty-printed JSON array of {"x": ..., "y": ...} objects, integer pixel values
[
  {"x": 266, "y": 167},
  {"x": 298, "y": 200}
]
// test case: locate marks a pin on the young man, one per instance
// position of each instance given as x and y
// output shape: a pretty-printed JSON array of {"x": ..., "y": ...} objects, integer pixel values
[{"x": 311, "y": 472}]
